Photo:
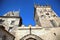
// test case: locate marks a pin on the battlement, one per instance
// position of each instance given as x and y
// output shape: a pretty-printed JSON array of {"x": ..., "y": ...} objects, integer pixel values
[
  {"x": 42, "y": 6},
  {"x": 30, "y": 26}
]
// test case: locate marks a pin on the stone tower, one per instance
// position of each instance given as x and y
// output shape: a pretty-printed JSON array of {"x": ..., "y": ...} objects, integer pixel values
[
  {"x": 45, "y": 16},
  {"x": 10, "y": 20}
]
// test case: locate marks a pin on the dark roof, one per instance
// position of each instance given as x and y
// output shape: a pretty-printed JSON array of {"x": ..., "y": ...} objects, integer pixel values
[
  {"x": 9, "y": 16},
  {"x": 3, "y": 28}
]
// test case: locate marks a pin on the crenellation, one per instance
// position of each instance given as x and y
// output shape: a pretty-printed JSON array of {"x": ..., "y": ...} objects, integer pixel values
[
  {"x": 23, "y": 26},
  {"x": 42, "y": 6}
]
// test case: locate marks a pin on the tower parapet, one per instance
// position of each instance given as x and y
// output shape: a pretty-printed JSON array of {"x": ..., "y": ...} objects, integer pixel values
[
  {"x": 42, "y": 6},
  {"x": 12, "y": 13}
]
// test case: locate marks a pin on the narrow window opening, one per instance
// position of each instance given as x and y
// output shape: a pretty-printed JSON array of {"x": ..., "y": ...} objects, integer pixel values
[
  {"x": 55, "y": 34},
  {"x": 54, "y": 15},
  {"x": 53, "y": 23},
  {"x": 1, "y": 21},
  {"x": 47, "y": 13},
  {"x": 10, "y": 28},
  {"x": 12, "y": 22},
  {"x": 42, "y": 15}
]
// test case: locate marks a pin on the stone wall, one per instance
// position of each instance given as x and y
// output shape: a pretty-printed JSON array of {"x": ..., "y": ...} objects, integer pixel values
[
  {"x": 4, "y": 35},
  {"x": 43, "y": 33}
]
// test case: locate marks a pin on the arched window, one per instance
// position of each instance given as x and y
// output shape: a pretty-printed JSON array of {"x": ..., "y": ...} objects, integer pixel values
[
  {"x": 47, "y": 13},
  {"x": 31, "y": 39},
  {"x": 42, "y": 16},
  {"x": 54, "y": 15}
]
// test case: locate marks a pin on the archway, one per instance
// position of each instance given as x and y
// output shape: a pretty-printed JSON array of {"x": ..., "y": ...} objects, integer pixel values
[{"x": 31, "y": 37}]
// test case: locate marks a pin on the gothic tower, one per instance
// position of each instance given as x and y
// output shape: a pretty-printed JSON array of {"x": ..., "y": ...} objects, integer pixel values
[{"x": 45, "y": 16}]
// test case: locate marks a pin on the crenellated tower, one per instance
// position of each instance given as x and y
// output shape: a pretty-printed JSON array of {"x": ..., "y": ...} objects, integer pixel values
[{"x": 45, "y": 16}]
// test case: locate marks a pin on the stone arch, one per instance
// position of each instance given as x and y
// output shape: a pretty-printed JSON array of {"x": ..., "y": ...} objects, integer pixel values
[{"x": 31, "y": 36}]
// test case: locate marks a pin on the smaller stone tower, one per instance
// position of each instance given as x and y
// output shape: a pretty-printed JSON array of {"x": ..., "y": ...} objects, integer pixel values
[{"x": 11, "y": 19}]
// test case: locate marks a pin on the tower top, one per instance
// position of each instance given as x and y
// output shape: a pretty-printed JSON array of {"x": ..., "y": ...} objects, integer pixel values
[
  {"x": 12, "y": 13},
  {"x": 43, "y": 6}
]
